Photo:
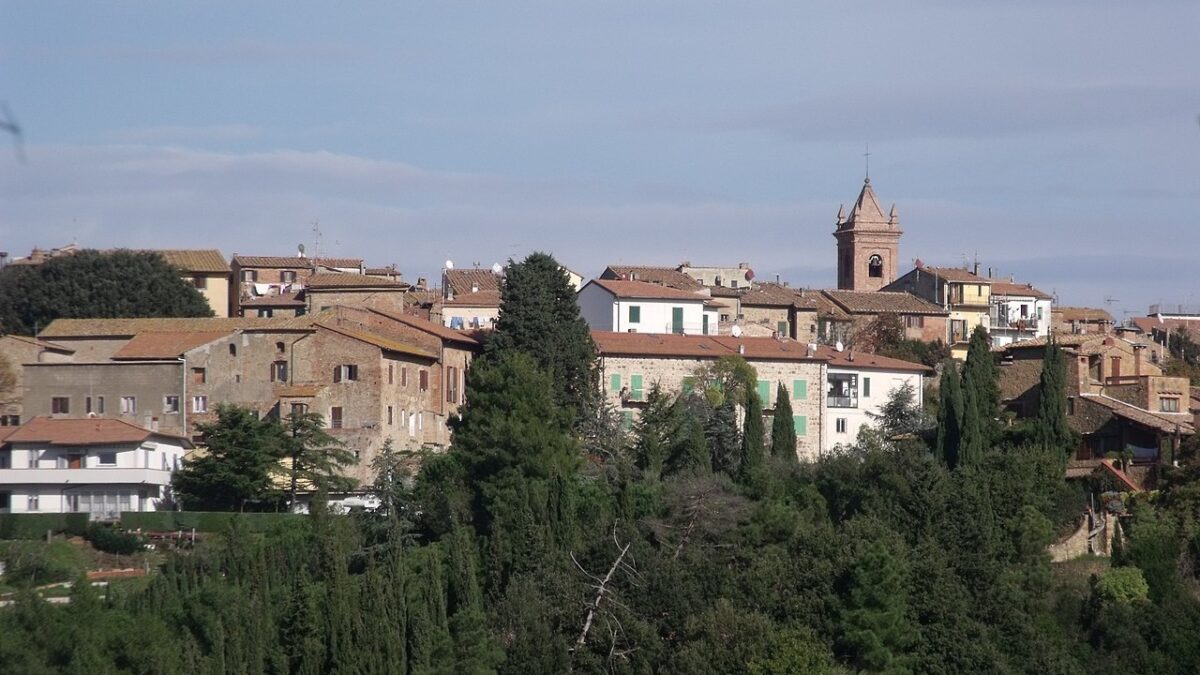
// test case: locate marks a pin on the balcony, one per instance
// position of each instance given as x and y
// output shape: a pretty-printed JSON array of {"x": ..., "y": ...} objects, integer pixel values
[
  {"x": 841, "y": 401},
  {"x": 112, "y": 476}
]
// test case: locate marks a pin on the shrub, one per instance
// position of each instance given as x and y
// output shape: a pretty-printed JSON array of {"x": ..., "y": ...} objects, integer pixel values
[
  {"x": 36, "y": 563},
  {"x": 110, "y": 540}
]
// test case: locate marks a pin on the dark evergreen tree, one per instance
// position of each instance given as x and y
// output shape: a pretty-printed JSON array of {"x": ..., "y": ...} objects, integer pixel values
[
  {"x": 972, "y": 443},
  {"x": 722, "y": 438},
  {"x": 657, "y": 428},
  {"x": 750, "y": 459},
  {"x": 94, "y": 285},
  {"x": 235, "y": 472},
  {"x": 950, "y": 415},
  {"x": 1051, "y": 430},
  {"x": 981, "y": 375},
  {"x": 875, "y": 623},
  {"x": 315, "y": 459},
  {"x": 783, "y": 428},
  {"x": 539, "y": 315}
]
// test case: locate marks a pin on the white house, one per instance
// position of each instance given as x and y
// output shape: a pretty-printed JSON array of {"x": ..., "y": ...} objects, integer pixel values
[
  {"x": 97, "y": 466},
  {"x": 856, "y": 387},
  {"x": 1018, "y": 312},
  {"x": 623, "y": 306}
]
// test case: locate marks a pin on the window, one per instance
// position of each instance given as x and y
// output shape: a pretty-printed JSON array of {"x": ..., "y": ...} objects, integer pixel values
[
  {"x": 335, "y": 417},
  {"x": 287, "y": 276},
  {"x": 200, "y": 283},
  {"x": 250, "y": 275},
  {"x": 799, "y": 389},
  {"x": 391, "y": 373},
  {"x": 614, "y": 383},
  {"x": 800, "y": 424},
  {"x": 1070, "y": 405},
  {"x": 764, "y": 392},
  {"x": 1024, "y": 311},
  {"x": 4, "y": 460},
  {"x": 299, "y": 409},
  {"x": 840, "y": 425},
  {"x": 1168, "y": 404},
  {"x": 199, "y": 404},
  {"x": 33, "y": 459},
  {"x": 232, "y": 349},
  {"x": 705, "y": 326},
  {"x": 5, "y": 501},
  {"x": 875, "y": 267},
  {"x": 451, "y": 384},
  {"x": 391, "y": 419},
  {"x": 100, "y": 405},
  {"x": 280, "y": 348},
  {"x": 842, "y": 391},
  {"x": 635, "y": 314},
  {"x": 31, "y": 502},
  {"x": 170, "y": 404},
  {"x": 60, "y": 405},
  {"x": 866, "y": 387},
  {"x": 403, "y": 376},
  {"x": 265, "y": 313},
  {"x": 914, "y": 321},
  {"x": 781, "y": 328},
  {"x": 279, "y": 371},
  {"x": 635, "y": 387},
  {"x": 348, "y": 373},
  {"x": 106, "y": 459},
  {"x": 626, "y": 419},
  {"x": 199, "y": 376},
  {"x": 424, "y": 380},
  {"x": 128, "y": 405}
]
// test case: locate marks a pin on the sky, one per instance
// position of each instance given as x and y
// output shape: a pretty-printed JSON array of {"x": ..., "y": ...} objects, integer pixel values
[{"x": 1054, "y": 140}]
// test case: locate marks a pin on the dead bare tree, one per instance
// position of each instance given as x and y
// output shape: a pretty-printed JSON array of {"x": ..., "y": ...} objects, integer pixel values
[{"x": 604, "y": 601}]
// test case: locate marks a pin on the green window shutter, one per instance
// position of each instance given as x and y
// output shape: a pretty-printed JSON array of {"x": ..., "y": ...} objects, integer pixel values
[
  {"x": 800, "y": 424},
  {"x": 635, "y": 314},
  {"x": 782, "y": 328},
  {"x": 626, "y": 419},
  {"x": 635, "y": 387},
  {"x": 800, "y": 389},
  {"x": 764, "y": 392},
  {"x": 615, "y": 383},
  {"x": 689, "y": 385},
  {"x": 706, "y": 324},
  {"x": 866, "y": 387}
]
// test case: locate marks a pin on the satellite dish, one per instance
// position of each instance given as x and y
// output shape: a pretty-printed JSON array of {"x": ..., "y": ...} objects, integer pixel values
[
  {"x": 497, "y": 269},
  {"x": 839, "y": 346},
  {"x": 449, "y": 264},
  {"x": 736, "y": 331},
  {"x": 300, "y": 248}
]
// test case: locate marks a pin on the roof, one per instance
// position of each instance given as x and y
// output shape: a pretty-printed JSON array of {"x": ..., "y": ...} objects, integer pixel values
[
  {"x": 381, "y": 341},
  {"x": 203, "y": 260},
  {"x": 1144, "y": 417},
  {"x": 866, "y": 211},
  {"x": 699, "y": 346},
  {"x": 40, "y": 343},
  {"x": 955, "y": 274},
  {"x": 435, "y": 329},
  {"x": 882, "y": 302},
  {"x": 281, "y": 300},
  {"x": 663, "y": 276},
  {"x": 166, "y": 345},
  {"x": 462, "y": 281},
  {"x": 476, "y": 299},
  {"x": 1063, "y": 340},
  {"x": 1082, "y": 314},
  {"x": 1149, "y": 324},
  {"x": 347, "y": 280},
  {"x": 851, "y": 359},
  {"x": 98, "y": 431},
  {"x": 645, "y": 290},
  {"x": 770, "y": 295},
  {"x": 293, "y": 262},
  {"x": 72, "y": 328},
  {"x": 723, "y": 292},
  {"x": 1021, "y": 290}
]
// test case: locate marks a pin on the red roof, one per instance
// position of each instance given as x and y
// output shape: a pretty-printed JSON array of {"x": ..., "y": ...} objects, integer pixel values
[
  {"x": 1019, "y": 290},
  {"x": 852, "y": 359},
  {"x": 168, "y": 345},
  {"x": 435, "y": 329},
  {"x": 644, "y": 290},
  {"x": 101, "y": 431},
  {"x": 462, "y": 281}
]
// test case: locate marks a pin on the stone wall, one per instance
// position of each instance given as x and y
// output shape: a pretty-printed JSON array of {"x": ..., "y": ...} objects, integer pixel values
[{"x": 148, "y": 382}]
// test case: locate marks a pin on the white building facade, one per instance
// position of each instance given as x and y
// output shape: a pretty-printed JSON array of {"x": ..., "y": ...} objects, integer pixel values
[
  {"x": 1018, "y": 312},
  {"x": 857, "y": 386},
  {"x": 96, "y": 466},
  {"x": 641, "y": 307}
]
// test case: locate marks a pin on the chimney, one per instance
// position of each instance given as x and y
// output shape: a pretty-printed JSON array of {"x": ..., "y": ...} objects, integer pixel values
[
  {"x": 1137, "y": 359},
  {"x": 976, "y": 270},
  {"x": 742, "y": 349}
]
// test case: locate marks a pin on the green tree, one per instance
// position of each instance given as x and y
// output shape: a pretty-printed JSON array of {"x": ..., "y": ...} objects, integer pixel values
[
  {"x": 314, "y": 458},
  {"x": 750, "y": 459},
  {"x": 971, "y": 445},
  {"x": 950, "y": 415},
  {"x": 91, "y": 284},
  {"x": 875, "y": 626},
  {"x": 900, "y": 415},
  {"x": 981, "y": 375},
  {"x": 721, "y": 436},
  {"x": 1122, "y": 585},
  {"x": 783, "y": 428},
  {"x": 1051, "y": 430},
  {"x": 235, "y": 471},
  {"x": 539, "y": 315},
  {"x": 656, "y": 430}
]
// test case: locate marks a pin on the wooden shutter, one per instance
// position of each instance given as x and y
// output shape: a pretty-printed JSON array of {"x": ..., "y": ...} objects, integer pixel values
[{"x": 800, "y": 389}]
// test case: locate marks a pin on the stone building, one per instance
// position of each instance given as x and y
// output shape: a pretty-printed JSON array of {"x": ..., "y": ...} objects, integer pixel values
[
  {"x": 18, "y": 350},
  {"x": 769, "y": 309},
  {"x": 868, "y": 244},
  {"x": 922, "y": 319},
  {"x": 964, "y": 294},
  {"x": 331, "y": 289},
  {"x": 470, "y": 298},
  {"x": 264, "y": 276},
  {"x": 1081, "y": 321},
  {"x": 631, "y": 363},
  {"x": 735, "y": 277},
  {"x": 671, "y": 277}
]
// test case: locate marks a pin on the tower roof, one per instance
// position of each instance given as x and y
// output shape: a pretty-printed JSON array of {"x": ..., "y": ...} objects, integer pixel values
[{"x": 867, "y": 213}]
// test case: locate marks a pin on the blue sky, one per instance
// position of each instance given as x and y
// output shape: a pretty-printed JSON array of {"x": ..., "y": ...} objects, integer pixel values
[{"x": 1056, "y": 140}]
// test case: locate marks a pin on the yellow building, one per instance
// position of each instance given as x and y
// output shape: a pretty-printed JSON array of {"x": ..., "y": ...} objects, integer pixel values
[
  {"x": 966, "y": 295},
  {"x": 207, "y": 270}
]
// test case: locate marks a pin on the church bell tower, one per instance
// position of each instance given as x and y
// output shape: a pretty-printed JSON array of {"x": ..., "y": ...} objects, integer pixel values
[{"x": 868, "y": 244}]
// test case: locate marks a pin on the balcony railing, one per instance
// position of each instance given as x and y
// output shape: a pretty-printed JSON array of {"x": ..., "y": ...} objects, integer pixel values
[
  {"x": 105, "y": 476},
  {"x": 841, "y": 401}
]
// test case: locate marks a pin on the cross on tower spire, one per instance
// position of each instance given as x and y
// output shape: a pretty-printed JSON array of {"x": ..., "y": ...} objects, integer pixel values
[{"x": 867, "y": 163}]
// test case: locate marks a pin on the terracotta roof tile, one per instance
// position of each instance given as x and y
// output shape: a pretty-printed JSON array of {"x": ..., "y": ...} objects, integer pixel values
[
  {"x": 207, "y": 260},
  {"x": 879, "y": 302},
  {"x": 663, "y": 276},
  {"x": 99, "y": 431},
  {"x": 157, "y": 346},
  {"x": 381, "y": 341},
  {"x": 956, "y": 274},
  {"x": 1149, "y": 324},
  {"x": 273, "y": 261},
  {"x": 44, "y": 344},
  {"x": 65, "y": 328},
  {"x": 1019, "y": 290},
  {"x": 462, "y": 281},
  {"x": 1082, "y": 314},
  {"x": 347, "y": 280},
  {"x": 852, "y": 359},
  {"x": 645, "y": 290},
  {"x": 1144, "y": 417},
  {"x": 421, "y": 324},
  {"x": 770, "y": 295}
]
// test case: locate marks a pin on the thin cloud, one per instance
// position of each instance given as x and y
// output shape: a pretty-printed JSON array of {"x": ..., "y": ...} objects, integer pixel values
[{"x": 177, "y": 133}]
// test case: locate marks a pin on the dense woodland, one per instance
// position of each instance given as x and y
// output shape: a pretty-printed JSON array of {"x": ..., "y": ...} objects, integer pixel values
[{"x": 550, "y": 539}]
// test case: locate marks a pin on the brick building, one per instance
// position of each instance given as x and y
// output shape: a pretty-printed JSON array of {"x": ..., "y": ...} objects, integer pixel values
[
  {"x": 18, "y": 350},
  {"x": 922, "y": 319},
  {"x": 868, "y": 244}
]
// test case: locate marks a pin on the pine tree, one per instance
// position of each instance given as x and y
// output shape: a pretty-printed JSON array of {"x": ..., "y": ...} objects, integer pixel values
[
  {"x": 875, "y": 625},
  {"x": 950, "y": 415},
  {"x": 236, "y": 469},
  {"x": 750, "y": 459},
  {"x": 315, "y": 458},
  {"x": 539, "y": 315},
  {"x": 783, "y": 429}
]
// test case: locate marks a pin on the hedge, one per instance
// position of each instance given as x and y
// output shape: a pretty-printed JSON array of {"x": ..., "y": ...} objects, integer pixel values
[
  {"x": 202, "y": 521},
  {"x": 35, "y": 525}
]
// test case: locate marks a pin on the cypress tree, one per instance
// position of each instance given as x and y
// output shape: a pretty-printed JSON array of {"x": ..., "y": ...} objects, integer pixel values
[
  {"x": 972, "y": 444},
  {"x": 751, "y": 456},
  {"x": 656, "y": 427},
  {"x": 721, "y": 432},
  {"x": 783, "y": 429},
  {"x": 981, "y": 375},
  {"x": 950, "y": 415},
  {"x": 1052, "y": 430}
]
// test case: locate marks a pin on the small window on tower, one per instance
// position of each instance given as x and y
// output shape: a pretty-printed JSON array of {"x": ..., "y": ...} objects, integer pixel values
[{"x": 875, "y": 266}]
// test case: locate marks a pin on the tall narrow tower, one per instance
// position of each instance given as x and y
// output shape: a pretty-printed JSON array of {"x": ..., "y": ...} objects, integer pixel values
[{"x": 868, "y": 244}]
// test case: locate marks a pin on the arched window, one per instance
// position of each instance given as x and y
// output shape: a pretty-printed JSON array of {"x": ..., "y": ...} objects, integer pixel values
[{"x": 875, "y": 266}]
